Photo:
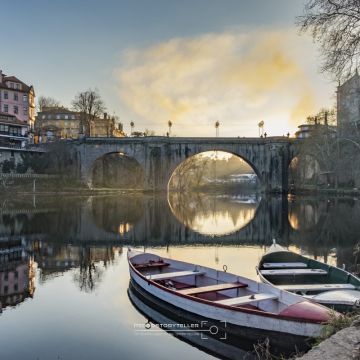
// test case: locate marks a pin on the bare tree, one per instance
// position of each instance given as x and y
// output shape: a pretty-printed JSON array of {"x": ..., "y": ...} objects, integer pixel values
[
  {"x": 334, "y": 24},
  {"x": 323, "y": 117},
  {"x": 189, "y": 174},
  {"x": 47, "y": 102},
  {"x": 90, "y": 104}
]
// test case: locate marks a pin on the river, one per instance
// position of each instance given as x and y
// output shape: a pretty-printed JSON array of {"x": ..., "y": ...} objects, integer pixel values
[{"x": 63, "y": 272}]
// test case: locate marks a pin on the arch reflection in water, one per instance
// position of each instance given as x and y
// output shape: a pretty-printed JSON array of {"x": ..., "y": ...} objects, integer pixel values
[
  {"x": 206, "y": 337},
  {"x": 305, "y": 214},
  {"x": 117, "y": 214},
  {"x": 212, "y": 214}
]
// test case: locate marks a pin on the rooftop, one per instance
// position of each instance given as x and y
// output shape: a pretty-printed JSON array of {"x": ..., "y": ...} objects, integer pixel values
[
  {"x": 57, "y": 110},
  {"x": 4, "y": 78}
]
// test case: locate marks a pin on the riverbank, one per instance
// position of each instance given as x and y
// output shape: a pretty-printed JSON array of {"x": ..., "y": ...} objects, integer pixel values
[
  {"x": 344, "y": 345},
  {"x": 313, "y": 190}
]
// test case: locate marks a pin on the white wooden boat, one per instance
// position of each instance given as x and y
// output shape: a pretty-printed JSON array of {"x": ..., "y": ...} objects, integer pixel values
[
  {"x": 312, "y": 279},
  {"x": 215, "y": 345},
  {"x": 219, "y": 296}
]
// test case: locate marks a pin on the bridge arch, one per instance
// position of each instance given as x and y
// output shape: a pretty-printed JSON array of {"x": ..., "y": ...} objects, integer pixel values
[
  {"x": 195, "y": 161},
  {"x": 116, "y": 170}
]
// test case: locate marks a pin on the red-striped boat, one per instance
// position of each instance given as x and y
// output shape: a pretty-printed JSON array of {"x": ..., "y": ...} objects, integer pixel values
[{"x": 240, "y": 303}]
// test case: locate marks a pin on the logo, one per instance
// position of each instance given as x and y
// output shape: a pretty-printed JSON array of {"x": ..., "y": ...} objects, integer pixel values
[{"x": 204, "y": 329}]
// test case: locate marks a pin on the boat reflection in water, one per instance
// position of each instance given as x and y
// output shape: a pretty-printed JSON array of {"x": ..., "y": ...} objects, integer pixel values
[
  {"x": 219, "y": 340},
  {"x": 206, "y": 337}
]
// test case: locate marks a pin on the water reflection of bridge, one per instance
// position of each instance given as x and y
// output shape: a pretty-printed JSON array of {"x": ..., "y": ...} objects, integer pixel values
[{"x": 140, "y": 220}]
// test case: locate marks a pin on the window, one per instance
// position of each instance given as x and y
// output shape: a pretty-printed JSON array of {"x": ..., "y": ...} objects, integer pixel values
[
  {"x": 25, "y": 97},
  {"x": 6, "y": 108},
  {"x": 12, "y": 85},
  {"x": 6, "y": 95},
  {"x": 16, "y": 97},
  {"x": 15, "y": 132},
  {"x": 16, "y": 287},
  {"x": 58, "y": 117},
  {"x": 17, "y": 86},
  {"x": 66, "y": 117},
  {"x": 25, "y": 110},
  {"x": 73, "y": 117},
  {"x": 16, "y": 109},
  {"x": 4, "y": 128},
  {"x": 16, "y": 274},
  {"x": 6, "y": 289},
  {"x": 6, "y": 276}
]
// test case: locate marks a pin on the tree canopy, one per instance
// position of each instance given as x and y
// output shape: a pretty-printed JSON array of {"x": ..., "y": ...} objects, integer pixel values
[
  {"x": 90, "y": 103},
  {"x": 47, "y": 102}
]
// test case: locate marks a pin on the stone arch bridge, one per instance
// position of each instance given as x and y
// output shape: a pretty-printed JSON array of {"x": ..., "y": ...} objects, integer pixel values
[{"x": 159, "y": 156}]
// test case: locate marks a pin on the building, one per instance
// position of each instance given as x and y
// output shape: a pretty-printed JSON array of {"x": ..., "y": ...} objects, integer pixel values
[
  {"x": 348, "y": 104},
  {"x": 105, "y": 127},
  {"x": 307, "y": 130},
  {"x": 57, "y": 123},
  {"x": 61, "y": 123},
  {"x": 13, "y": 132},
  {"x": 17, "y": 99}
]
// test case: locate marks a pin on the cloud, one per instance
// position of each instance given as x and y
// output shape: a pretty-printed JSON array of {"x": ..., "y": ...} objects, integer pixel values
[{"x": 236, "y": 77}]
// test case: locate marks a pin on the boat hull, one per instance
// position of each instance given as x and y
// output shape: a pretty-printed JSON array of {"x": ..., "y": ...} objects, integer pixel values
[
  {"x": 273, "y": 326},
  {"x": 242, "y": 338}
]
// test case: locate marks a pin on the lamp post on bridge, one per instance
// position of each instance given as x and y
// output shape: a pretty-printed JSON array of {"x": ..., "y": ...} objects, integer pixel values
[
  {"x": 217, "y": 124},
  {"x": 261, "y": 127},
  {"x": 132, "y": 124},
  {"x": 169, "y": 125}
]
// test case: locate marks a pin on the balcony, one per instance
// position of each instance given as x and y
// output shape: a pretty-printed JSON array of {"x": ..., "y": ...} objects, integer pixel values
[
  {"x": 12, "y": 135},
  {"x": 10, "y": 146}
]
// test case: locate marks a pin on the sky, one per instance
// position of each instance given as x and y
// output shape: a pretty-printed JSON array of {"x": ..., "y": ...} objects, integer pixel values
[{"x": 191, "y": 62}]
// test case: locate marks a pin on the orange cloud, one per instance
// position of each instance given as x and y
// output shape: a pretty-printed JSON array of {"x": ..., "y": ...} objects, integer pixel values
[{"x": 238, "y": 78}]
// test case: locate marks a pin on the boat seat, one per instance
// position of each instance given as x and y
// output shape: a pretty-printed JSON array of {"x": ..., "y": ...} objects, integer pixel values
[
  {"x": 248, "y": 299},
  {"x": 174, "y": 274},
  {"x": 151, "y": 265},
  {"x": 294, "y": 272},
  {"x": 212, "y": 288},
  {"x": 284, "y": 265},
  {"x": 316, "y": 287}
]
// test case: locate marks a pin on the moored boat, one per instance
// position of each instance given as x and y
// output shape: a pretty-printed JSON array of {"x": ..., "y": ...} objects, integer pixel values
[
  {"x": 312, "y": 279},
  {"x": 185, "y": 328},
  {"x": 245, "y": 306}
]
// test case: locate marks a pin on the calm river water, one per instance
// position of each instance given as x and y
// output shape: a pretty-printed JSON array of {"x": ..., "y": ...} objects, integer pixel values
[{"x": 64, "y": 277}]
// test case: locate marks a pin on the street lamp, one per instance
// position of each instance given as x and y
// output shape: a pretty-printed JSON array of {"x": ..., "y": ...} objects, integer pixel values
[
  {"x": 261, "y": 127},
  {"x": 132, "y": 127},
  {"x": 217, "y": 124},
  {"x": 170, "y": 125}
]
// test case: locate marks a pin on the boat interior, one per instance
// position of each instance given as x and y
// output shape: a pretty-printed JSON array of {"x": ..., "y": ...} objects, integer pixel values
[
  {"x": 298, "y": 274},
  {"x": 209, "y": 284}
]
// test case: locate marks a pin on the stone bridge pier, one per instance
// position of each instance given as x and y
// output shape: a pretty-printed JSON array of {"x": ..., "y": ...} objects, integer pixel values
[{"x": 159, "y": 156}]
